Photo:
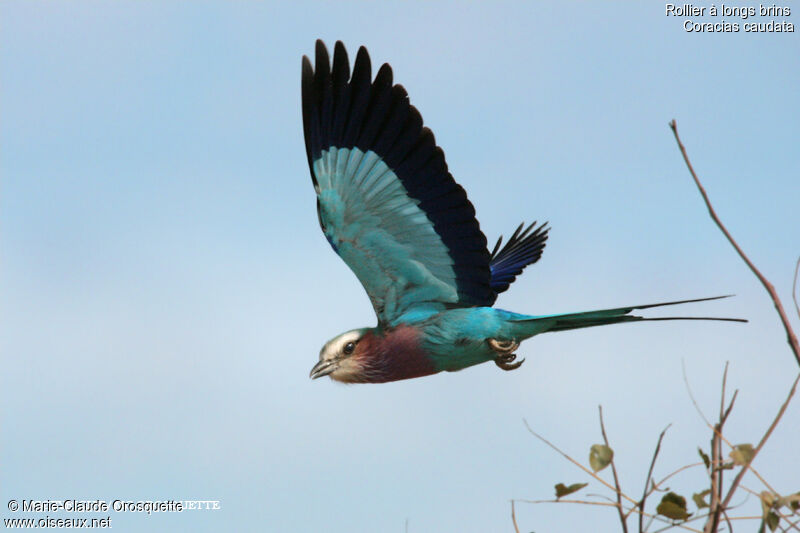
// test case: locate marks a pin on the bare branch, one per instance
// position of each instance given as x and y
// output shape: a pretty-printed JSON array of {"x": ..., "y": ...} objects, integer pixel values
[
  {"x": 714, "y": 507},
  {"x": 730, "y": 405},
  {"x": 790, "y": 335},
  {"x": 614, "y": 471},
  {"x": 649, "y": 476},
  {"x": 760, "y": 445},
  {"x": 722, "y": 396},
  {"x": 562, "y": 500},
  {"x": 794, "y": 287},
  {"x": 727, "y": 521},
  {"x": 514, "y": 517}
]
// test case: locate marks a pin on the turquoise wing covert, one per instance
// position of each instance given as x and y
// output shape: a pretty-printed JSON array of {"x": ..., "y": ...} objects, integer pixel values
[{"x": 385, "y": 199}]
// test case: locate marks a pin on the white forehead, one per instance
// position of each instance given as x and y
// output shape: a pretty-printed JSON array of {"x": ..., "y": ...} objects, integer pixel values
[{"x": 337, "y": 344}]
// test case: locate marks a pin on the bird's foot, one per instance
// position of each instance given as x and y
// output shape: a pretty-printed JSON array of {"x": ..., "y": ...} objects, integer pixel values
[{"x": 505, "y": 354}]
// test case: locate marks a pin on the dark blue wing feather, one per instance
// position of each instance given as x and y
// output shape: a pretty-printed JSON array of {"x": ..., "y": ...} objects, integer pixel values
[{"x": 522, "y": 249}]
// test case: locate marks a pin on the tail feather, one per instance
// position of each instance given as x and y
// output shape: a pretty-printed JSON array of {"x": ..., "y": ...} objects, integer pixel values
[{"x": 534, "y": 325}]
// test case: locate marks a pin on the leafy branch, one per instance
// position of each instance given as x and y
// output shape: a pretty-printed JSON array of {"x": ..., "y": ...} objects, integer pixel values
[{"x": 672, "y": 510}]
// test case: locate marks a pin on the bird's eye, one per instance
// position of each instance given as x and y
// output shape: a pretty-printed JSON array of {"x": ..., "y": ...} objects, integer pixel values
[{"x": 349, "y": 347}]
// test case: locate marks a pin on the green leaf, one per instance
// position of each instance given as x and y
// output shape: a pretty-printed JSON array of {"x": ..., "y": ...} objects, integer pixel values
[
  {"x": 772, "y": 520},
  {"x": 792, "y": 501},
  {"x": 742, "y": 454},
  {"x": 673, "y": 506},
  {"x": 700, "y": 498},
  {"x": 563, "y": 490},
  {"x": 600, "y": 456},
  {"x": 768, "y": 501},
  {"x": 704, "y": 457}
]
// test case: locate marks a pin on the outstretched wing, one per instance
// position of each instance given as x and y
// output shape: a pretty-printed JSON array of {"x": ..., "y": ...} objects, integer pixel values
[
  {"x": 522, "y": 249},
  {"x": 385, "y": 199}
]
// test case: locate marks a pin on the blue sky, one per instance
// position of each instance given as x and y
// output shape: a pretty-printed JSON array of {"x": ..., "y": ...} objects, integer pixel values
[{"x": 166, "y": 288}]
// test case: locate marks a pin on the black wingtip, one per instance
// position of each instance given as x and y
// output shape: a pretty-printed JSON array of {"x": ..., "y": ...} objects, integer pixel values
[
  {"x": 341, "y": 63},
  {"x": 496, "y": 246},
  {"x": 385, "y": 76},
  {"x": 307, "y": 72},
  {"x": 322, "y": 60}
]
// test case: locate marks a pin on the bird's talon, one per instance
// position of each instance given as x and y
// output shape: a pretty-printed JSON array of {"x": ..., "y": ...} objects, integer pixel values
[
  {"x": 505, "y": 353},
  {"x": 508, "y": 365},
  {"x": 503, "y": 347},
  {"x": 506, "y": 357}
]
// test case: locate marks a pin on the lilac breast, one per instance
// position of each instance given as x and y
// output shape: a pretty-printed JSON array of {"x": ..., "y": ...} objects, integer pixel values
[{"x": 395, "y": 355}]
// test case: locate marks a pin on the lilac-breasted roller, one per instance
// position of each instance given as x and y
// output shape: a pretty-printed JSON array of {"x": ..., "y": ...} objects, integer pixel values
[{"x": 391, "y": 210}]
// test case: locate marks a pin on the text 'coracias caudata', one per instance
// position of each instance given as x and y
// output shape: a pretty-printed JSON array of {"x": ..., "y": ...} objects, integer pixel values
[{"x": 391, "y": 210}]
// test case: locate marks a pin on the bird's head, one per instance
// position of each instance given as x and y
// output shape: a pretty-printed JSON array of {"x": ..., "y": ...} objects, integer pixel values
[{"x": 339, "y": 358}]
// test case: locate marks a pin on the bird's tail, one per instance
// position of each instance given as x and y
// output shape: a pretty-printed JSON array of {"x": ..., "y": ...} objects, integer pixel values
[{"x": 527, "y": 327}]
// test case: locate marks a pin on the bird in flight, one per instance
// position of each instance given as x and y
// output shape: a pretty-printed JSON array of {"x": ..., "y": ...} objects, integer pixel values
[{"x": 393, "y": 212}]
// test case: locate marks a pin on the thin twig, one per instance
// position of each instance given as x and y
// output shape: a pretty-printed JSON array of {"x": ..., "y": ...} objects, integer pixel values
[
  {"x": 727, "y": 520},
  {"x": 751, "y": 491},
  {"x": 716, "y": 482},
  {"x": 764, "y": 481},
  {"x": 514, "y": 517},
  {"x": 650, "y": 475},
  {"x": 688, "y": 520},
  {"x": 794, "y": 287},
  {"x": 612, "y": 504},
  {"x": 562, "y": 500},
  {"x": 730, "y": 405},
  {"x": 790, "y": 336},
  {"x": 761, "y": 443},
  {"x": 722, "y": 396},
  {"x": 702, "y": 516},
  {"x": 715, "y": 509},
  {"x": 602, "y": 497},
  {"x": 786, "y": 517},
  {"x": 614, "y": 471},
  {"x": 691, "y": 394},
  {"x": 576, "y": 463},
  {"x": 678, "y": 471}
]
